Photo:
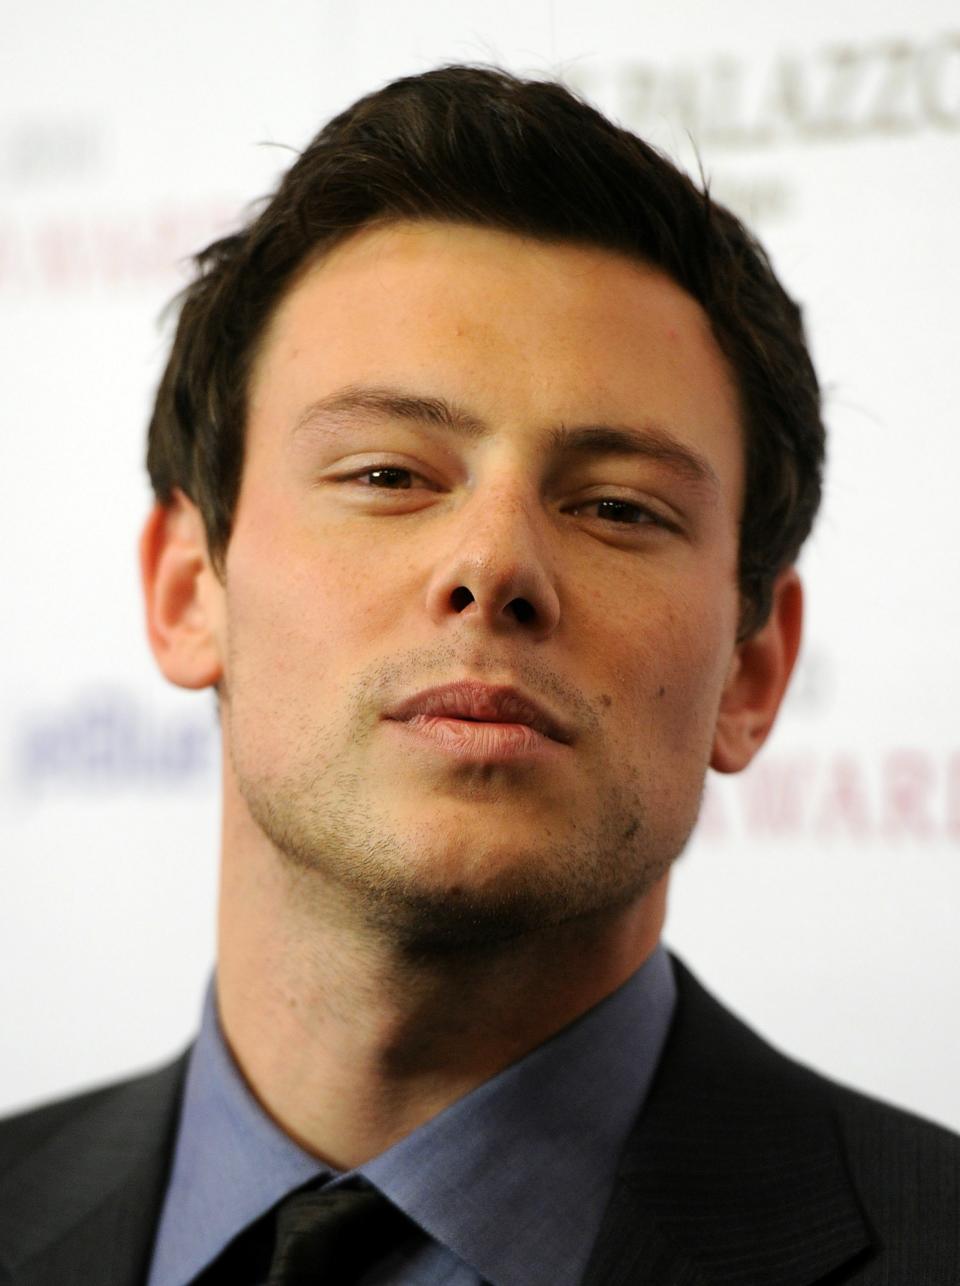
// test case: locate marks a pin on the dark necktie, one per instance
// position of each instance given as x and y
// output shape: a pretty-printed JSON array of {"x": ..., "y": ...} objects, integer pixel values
[
  {"x": 313, "y": 1238},
  {"x": 333, "y": 1236}
]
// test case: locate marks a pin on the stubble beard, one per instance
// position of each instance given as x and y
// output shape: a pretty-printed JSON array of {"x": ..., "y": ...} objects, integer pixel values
[
  {"x": 386, "y": 880},
  {"x": 341, "y": 850}
]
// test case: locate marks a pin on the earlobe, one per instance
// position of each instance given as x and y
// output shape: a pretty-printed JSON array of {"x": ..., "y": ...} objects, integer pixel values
[
  {"x": 758, "y": 677},
  {"x": 182, "y": 596}
]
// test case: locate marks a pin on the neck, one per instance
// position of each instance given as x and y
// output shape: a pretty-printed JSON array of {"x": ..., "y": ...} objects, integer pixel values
[{"x": 350, "y": 1041}]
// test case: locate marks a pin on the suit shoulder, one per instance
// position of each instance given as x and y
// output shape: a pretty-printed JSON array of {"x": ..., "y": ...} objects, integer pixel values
[
  {"x": 752, "y": 1059},
  {"x": 23, "y": 1133},
  {"x": 882, "y": 1138},
  {"x": 906, "y": 1170},
  {"x": 763, "y": 1119},
  {"x": 904, "y": 1167},
  {"x": 899, "y": 1159},
  {"x": 863, "y": 1113}
]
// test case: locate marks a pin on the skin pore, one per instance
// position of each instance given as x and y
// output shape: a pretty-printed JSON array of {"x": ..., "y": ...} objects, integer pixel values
[{"x": 469, "y": 455}]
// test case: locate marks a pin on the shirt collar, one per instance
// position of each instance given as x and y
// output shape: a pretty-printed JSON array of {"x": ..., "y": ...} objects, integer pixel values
[
  {"x": 533, "y": 1149},
  {"x": 231, "y": 1161}
]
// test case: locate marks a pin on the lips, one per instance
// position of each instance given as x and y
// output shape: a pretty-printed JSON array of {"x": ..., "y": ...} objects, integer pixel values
[{"x": 479, "y": 703}]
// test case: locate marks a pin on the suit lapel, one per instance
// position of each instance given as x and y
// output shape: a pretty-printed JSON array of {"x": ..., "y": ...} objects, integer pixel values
[
  {"x": 734, "y": 1173},
  {"x": 94, "y": 1224}
]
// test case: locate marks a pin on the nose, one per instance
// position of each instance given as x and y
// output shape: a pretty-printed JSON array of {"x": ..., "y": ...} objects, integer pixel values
[{"x": 494, "y": 572}]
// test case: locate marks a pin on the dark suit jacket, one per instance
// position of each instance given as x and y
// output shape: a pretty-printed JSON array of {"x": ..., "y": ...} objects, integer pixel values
[{"x": 744, "y": 1169}]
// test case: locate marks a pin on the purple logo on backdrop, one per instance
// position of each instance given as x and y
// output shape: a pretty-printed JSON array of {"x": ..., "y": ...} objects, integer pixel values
[{"x": 113, "y": 739}]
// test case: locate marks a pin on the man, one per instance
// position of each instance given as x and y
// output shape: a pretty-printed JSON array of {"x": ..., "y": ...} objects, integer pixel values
[{"x": 482, "y": 461}]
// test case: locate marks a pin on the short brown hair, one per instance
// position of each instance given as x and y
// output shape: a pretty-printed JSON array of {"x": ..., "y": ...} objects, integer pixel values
[{"x": 478, "y": 145}]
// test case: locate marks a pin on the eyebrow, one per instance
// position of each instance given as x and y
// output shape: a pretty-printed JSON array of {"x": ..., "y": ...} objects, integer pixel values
[
  {"x": 648, "y": 440},
  {"x": 390, "y": 404}
]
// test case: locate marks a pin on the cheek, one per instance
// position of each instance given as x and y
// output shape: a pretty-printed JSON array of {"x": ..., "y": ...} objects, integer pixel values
[
  {"x": 668, "y": 672},
  {"x": 282, "y": 651},
  {"x": 281, "y": 607}
]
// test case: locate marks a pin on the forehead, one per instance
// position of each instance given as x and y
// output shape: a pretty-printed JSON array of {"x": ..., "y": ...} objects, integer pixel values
[{"x": 521, "y": 332}]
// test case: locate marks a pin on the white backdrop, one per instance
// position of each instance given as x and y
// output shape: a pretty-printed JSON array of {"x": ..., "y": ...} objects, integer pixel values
[{"x": 820, "y": 895}]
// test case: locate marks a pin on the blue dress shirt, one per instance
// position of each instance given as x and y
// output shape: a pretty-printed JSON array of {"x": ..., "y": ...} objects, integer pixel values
[{"x": 509, "y": 1184}]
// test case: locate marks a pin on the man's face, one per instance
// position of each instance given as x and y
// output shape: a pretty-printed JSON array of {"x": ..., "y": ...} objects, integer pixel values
[{"x": 473, "y": 457}]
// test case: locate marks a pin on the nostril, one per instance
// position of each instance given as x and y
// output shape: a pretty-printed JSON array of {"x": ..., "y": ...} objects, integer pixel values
[
  {"x": 522, "y": 610},
  {"x": 461, "y": 598}
]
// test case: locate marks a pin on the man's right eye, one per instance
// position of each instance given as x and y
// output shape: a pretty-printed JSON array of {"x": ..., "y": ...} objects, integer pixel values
[{"x": 390, "y": 478}]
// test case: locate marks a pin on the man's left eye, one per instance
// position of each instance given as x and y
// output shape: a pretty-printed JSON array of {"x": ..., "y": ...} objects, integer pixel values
[{"x": 619, "y": 511}]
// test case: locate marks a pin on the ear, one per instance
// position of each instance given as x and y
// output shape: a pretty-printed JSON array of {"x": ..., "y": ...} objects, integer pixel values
[
  {"x": 758, "y": 677},
  {"x": 183, "y": 595}
]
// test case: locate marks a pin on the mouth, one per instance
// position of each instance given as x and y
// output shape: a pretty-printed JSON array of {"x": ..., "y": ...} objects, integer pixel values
[{"x": 469, "y": 712}]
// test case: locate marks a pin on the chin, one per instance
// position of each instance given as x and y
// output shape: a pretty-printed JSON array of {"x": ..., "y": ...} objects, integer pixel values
[
  {"x": 445, "y": 921},
  {"x": 486, "y": 896},
  {"x": 452, "y": 883}
]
